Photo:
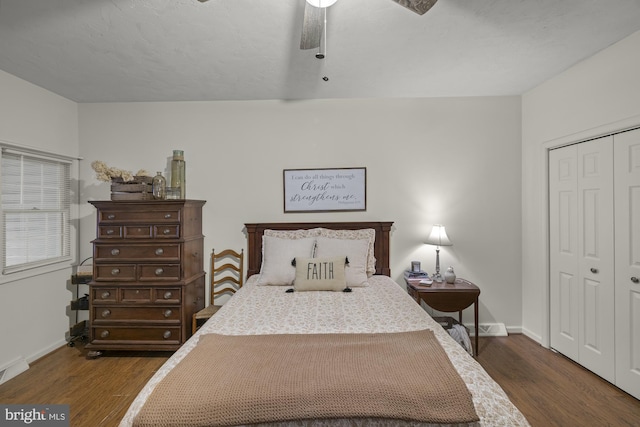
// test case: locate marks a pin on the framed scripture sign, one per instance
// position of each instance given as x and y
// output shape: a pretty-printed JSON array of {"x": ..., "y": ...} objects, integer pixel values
[{"x": 325, "y": 190}]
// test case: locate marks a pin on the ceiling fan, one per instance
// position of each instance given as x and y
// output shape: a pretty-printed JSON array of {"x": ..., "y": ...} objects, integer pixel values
[{"x": 315, "y": 19}]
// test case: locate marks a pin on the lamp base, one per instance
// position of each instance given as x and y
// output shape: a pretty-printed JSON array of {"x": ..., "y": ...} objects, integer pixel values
[{"x": 437, "y": 277}]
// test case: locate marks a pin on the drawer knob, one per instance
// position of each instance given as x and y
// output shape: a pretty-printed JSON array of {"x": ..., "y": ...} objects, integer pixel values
[
  {"x": 115, "y": 271},
  {"x": 168, "y": 295},
  {"x": 110, "y": 231},
  {"x": 115, "y": 252},
  {"x": 594, "y": 270},
  {"x": 104, "y": 334},
  {"x": 159, "y": 271},
  {"x": 166, "y": 335},
  {"x": 159, "y": 251},
  {"x": 167, "y": 313},
  {"x": 166, "y": 231},
  {"x": 167, "y": 216},
  {"x": 111, "y": 216},
  {"x": 106, "y": 294},
  {"x": 106, "y": 313},
  {"x": 635, "y": 279}
]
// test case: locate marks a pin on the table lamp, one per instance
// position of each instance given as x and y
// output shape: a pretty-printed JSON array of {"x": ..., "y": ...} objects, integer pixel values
[{"x": 438, "y": 237}]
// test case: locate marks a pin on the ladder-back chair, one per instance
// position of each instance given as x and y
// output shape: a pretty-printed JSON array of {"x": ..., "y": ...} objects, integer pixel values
[{"x": 226, "y": 277}]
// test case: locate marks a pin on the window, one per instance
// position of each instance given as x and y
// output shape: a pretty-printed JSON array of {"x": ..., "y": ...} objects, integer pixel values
[{"x": 35, "y": 207}]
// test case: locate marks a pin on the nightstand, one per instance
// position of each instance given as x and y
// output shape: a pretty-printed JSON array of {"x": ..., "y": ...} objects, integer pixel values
[{"x": 446, "y": 297}]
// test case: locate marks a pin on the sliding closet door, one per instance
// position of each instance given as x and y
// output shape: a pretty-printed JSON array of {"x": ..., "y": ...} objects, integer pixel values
[
  {"x": 627, "y": 179},
  {"x": 581, "y": 250}
]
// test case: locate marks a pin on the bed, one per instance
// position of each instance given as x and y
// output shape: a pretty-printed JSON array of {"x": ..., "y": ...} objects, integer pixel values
[{"x": 370, "y": 338}]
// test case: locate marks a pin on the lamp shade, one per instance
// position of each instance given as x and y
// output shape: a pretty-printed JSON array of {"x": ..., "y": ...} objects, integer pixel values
[
  {"x": 321, "y": 3},
  {"x": 438, "y": 236}
]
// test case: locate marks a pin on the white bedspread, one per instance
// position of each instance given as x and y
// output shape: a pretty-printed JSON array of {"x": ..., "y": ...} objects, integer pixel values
[{"x": 381, "y": 307}]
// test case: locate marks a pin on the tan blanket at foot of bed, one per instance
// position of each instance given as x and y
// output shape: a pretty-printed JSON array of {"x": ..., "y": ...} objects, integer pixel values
[{"x": 231, "y": 380}]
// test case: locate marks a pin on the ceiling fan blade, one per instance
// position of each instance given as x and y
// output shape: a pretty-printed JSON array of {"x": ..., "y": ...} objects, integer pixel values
[
  {"x": 311, "y": 27},
  {"x": 418, "y": 6}
]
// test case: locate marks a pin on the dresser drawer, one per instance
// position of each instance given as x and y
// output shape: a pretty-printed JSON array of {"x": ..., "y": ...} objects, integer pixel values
[
  {"x": 166, "y": 231},
  {"x": 115, "y": 272},
  {"x": 159, "y": 272},
  {"x": 150, "y": 334},
  {"x": 167, "y": 295},
  {"x": 138, "y": 231},
  {"x": 116, "y": 313},
  {"x": 104, "y": 295},
  {"x": 160, "y": 231},
  {"x": 135, "y": 295},
  {"x": 110, "y": 232},
  {"x": 147, "y": 216},
  {"x": 136, "y": 252}
]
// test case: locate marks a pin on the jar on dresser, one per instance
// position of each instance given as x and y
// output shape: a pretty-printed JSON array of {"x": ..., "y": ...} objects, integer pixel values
[{"x": 148, "y": 274}]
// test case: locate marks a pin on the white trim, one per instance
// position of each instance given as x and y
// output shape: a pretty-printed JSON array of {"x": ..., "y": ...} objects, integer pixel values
[
  {"x": 25, "y": 149},
  {"x": 13, "y": 369},
  {"x": 31, "y": 265},
  {"x": 489, "y": 330},
  {"x": 537, "y": 338},
  {"x": 39, "y": 156},
  {"x": 46, "y": 350},
  {"x": 37, "y": 271}
]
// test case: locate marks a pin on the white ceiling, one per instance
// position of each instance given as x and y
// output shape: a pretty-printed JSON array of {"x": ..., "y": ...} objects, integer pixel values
[{"x": 184, "y": 50}]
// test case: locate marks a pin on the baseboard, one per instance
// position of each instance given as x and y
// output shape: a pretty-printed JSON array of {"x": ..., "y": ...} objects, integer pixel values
[
  {"x": 13, "y": 369},
  {"x": 537, "y": 338},
  {"x": 46, "y": 350},
  {"x": 490, "y": 330}
]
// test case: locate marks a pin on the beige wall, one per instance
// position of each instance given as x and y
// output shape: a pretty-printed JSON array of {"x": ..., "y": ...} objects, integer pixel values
[
  {"x": 452, "y": 161},
  {"x": 33, "y": 311},
  {"x": 598, "y": 96}
]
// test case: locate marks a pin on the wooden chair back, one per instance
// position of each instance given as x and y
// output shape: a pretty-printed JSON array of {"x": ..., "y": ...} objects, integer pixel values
[{"x": 226, "y": 272}]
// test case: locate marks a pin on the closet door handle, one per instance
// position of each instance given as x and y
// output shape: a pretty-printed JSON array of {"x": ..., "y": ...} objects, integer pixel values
[
  {"x": 635, "y": 279},
  {"x": 594, "y": 270}
]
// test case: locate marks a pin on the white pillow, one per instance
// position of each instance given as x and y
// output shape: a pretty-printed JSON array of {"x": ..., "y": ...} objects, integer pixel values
[
  {"x": 277, "y": 255},
  {"x": 364, "y": 233},
  {"x": 356, "y": 251}
]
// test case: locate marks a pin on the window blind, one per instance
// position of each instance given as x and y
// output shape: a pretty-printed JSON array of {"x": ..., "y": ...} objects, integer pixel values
[{"x": 35, "y": 204}]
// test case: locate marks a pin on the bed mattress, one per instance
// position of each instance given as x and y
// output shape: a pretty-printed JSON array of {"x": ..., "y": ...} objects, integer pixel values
[{"x": 381, "y": 307}]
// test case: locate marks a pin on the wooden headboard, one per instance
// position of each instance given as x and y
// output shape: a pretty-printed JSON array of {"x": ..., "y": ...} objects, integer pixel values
[{"x": 255, "y": 232}]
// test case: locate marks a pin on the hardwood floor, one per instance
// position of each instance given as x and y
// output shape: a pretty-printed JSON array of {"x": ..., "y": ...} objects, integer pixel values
[
  {"x": 98, "y": 391},
  {"x": 551, "y": 390},
  {"x": 548, "y": 388}
]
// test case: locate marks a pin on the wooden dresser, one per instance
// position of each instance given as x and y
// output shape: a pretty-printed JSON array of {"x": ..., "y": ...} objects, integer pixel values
[{"x": 148, "y": 274}]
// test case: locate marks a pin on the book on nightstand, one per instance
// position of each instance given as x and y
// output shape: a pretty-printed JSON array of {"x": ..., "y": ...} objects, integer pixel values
[{"x": 416, "y": 275}]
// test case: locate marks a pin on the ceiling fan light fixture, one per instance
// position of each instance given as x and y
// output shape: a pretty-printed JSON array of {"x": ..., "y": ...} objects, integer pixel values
[{"x": 321, "y": 3}]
